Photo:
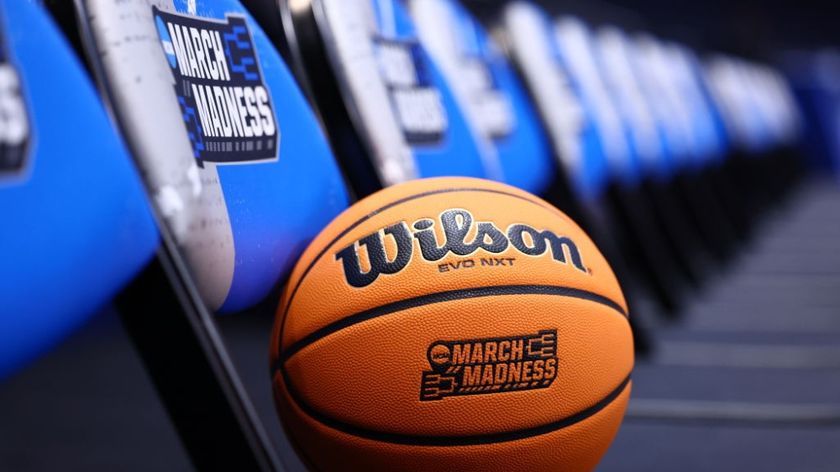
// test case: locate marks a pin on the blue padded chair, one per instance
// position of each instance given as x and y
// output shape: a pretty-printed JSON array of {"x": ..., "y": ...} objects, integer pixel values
[
  {"x": 232, "y": 155},
  {"x": 589, "y": 138},
  {"x": 686, "y": 156},
  {"x": 384, "y": 102},
  {"x": 76, "y": 223},
  {"x": 242, "y": 177},
  {"x": 503, "y": 116},
  {"x": 496, "y": 105},
  {"x": 615, "y": 58}
]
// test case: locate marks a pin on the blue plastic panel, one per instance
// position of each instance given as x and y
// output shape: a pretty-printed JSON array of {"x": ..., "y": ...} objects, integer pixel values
[
  {"x": 572, "y": 133},
  {"x": 403, "y": 108},
  {"x": 615, "y": 58},
  {"x": 575, "y": 50},
  {"x": 491, "y": 95},
  {"x": 734, "y": 94},
  {"x": 76, "y": 223},
  {"x": 708, "y": 147},
  {"x": 229, "y": 148}
]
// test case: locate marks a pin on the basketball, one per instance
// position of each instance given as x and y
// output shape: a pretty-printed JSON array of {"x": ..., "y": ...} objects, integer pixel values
[{"x": 452, "y": 323}]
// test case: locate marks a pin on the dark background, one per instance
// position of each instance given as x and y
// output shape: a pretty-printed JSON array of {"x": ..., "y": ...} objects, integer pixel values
[{"x": 751, "y": 28}]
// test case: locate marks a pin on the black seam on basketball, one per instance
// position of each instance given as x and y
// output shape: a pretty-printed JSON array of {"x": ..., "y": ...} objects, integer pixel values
[
  {"x": 471, "y": 440},
  {"x": 440, "y": 297},
  {"x": 380, "y": 210}
]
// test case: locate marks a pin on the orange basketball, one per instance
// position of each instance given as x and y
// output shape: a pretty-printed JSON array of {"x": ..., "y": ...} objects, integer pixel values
[{"x": 452, "y": 324}]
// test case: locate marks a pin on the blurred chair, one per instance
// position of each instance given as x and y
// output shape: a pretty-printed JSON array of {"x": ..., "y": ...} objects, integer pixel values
[
  {"x": 492, "y": 95},
  {"x": 615, "y": 58},
  {"x": 602, "y": 183},
  {"x": 386, "y": 106},
  {"x": 762, "y": 133},
  {"x": 224, "y": 171},
  {"x": 242, "y": 177},
  {"x": 500, "y": 116},
  {"x": 813, "y": 88},
  {"x": 77, "y": 226},
  {"x": 685, "y": 146}
]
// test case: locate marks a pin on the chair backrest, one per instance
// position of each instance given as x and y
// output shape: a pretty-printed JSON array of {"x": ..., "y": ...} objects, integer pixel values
[
  {"x": 487, "y": 89},
  {"x": 576, "y": 51},
  {"x": 708, "y": 146},
  {"x": 401, "y": 107},
  {"x": 812, "y": 104},
  {"x": 231, "y": 153},
  {"x": 721, "y": 138},
  {"x": 672, "y": 112},
  {"x": 572, "y": 133},
  {"x": 772, "y": 97},
  {"x": 76, "y": 223},
  {"x": 644, "y": 137},
  {"x": 730, "y": 85}
]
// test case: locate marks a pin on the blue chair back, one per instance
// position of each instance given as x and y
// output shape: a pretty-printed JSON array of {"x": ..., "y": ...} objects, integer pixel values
[
  {"x": 572, "y": 132},
  {"x": 232, "y": 155},
  {"x": 494, "y": 101},
  {"x": 402, "y": 107},
  {"x": 576, "y": 51},
  {"x": 76, "y": 222}
]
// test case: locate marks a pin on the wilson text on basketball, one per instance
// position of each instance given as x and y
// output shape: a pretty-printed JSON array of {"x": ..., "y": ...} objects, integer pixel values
[{"x": 462, "y": 236}]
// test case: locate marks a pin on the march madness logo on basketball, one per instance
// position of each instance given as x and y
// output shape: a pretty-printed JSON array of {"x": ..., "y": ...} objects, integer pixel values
[
  {"x": 225, "y": 104},
  {"x": 490, "y": 365},
  {"x": 14, "y": 120},
  {"x": 456, "y": 226}
]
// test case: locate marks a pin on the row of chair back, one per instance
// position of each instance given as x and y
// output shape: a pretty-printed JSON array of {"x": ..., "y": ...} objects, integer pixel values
[
  {"x": 233, "y": 157},
  {"x": 204, "y": 136}
]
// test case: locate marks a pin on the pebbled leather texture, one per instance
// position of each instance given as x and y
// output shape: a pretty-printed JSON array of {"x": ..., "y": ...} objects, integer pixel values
[{"x": 348, "y": 359}]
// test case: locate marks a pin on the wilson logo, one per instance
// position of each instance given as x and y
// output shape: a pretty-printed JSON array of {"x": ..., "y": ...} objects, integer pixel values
[
  {"x": 456, "y": 226},
  {"x": 490, "y": 365}
]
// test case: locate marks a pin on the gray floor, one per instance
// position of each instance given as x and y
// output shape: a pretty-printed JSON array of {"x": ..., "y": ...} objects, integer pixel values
[
  {"x": 750, "y": 380},
  {"x": 86, "y": 406}
]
